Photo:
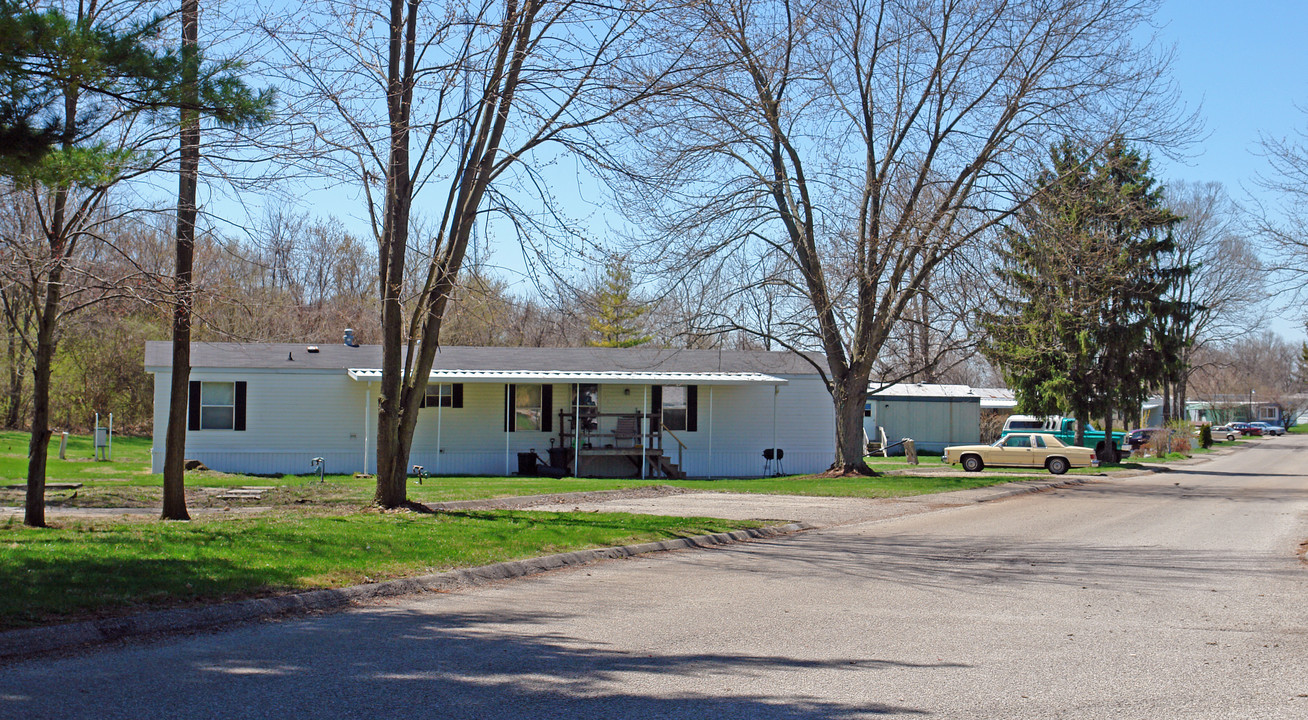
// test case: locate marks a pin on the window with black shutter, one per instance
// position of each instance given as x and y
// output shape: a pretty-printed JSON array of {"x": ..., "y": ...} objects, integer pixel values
[{"x": 216, "y": 405}]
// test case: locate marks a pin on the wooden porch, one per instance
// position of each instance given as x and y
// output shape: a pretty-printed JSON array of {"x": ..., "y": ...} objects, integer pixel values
[{"x": 586, "y": 434}]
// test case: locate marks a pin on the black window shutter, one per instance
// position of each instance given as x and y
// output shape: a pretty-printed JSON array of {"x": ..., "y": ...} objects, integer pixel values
[
  {"x": 193, "y": 409},
  {"x": 655, "y": 399},
  {"x": 692, "y": 408},
  {"x": 238, "y": 413},
  {"x": 510, "y": 417},
  {"x": 457, "y": 396},
  {"x": 546, "y": 407}
]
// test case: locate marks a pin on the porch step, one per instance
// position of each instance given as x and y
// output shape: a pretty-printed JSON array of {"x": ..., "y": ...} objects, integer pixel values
[
  {"x": 668, "y": 468},
  {"x": 247, "y": 492}
]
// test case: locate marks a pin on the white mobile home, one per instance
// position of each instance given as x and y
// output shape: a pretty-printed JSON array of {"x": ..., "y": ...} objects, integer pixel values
[
  {"x": 272, "y": 408},
  {"x": 934, "y": 416}
]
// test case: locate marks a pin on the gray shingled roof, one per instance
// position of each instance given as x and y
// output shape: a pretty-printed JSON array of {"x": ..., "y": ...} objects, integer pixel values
[{"x": 339, "y": 357}]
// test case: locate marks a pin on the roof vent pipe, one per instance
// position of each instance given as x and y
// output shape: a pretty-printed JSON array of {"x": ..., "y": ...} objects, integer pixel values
[{"x": 349, "y": 338}]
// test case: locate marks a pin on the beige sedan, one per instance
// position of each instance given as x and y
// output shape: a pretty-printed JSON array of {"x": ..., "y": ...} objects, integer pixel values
[{"x": 1036, "y": 450}]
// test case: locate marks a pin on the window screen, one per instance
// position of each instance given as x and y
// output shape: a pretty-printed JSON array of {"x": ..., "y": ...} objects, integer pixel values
[
  {"x": 526, "y": 408},
  {"x": 217, "y": 405},
  {"x": 675, "y": 404}
]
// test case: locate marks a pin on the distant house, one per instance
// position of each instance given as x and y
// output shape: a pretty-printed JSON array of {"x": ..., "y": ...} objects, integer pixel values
[
  {"x": 934, "y": 416},
  {"x": 272, "y": 408},
  {"x": 1229, "y": 408}
]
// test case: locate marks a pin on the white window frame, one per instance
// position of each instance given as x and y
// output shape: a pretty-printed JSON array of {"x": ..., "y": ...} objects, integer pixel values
[
  {"x": 684, "y": 407},
  {"x": 518, "y": 410},
  {"x": 231, "y": 425},
  {"x": 587, "y": 412},
  {"x": 439, "y": 395}
]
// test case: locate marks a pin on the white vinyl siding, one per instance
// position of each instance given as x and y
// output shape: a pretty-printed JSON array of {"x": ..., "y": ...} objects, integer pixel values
[{"x": 294, "y": 416}]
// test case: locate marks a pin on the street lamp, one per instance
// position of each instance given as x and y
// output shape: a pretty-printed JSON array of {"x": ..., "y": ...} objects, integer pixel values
[{"x": 1251, "y": 405}]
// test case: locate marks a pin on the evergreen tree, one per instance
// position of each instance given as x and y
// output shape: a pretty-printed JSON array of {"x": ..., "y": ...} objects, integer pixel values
[
  {"x": 77, "y": 89},
  {"x": 1085, "y": 269},
  {"x": 1135, "y": 353},
  {"x": 617, "y": 322}
]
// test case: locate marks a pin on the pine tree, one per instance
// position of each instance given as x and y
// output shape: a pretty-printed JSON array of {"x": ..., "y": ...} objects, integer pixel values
[
  {"x": 78, "y": 88},
  {"x": 1087, "y": 281},
  {"x": 617, "y": 322}
]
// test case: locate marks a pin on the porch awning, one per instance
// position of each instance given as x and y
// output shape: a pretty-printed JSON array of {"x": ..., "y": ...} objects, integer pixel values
[{"x": 613, "y": 377}]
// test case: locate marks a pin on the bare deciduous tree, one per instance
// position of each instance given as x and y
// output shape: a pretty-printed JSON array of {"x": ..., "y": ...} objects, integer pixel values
[
  {"x": 1224, "y": 286},
  {"x": 864, "y": 142},
  {"x": 446, "y": 99},
  {"x": 1283, "y": 218}
]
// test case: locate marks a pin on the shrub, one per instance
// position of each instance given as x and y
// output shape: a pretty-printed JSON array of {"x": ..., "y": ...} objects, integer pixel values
[
  {"x": 1205, "y": 436},
  {"x": 1158, "y": 445}
]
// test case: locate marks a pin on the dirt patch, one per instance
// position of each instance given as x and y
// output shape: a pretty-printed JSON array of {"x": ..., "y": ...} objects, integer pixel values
[{"x": 573, "y": 498}]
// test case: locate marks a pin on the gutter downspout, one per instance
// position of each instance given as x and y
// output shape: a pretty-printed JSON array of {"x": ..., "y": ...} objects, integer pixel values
[
  {"x": 576, "y": 429},
  {"x": 439, "y": 408},
  {"x": 775, "y": 391},
  {"x": 367, "y": 403},
  {"x": 644, "y": 411},
  {"x": 710, "y": 438},
  {"x": 507, "y": 409}
]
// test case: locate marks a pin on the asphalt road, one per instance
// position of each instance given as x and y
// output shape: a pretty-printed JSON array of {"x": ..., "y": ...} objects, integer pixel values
[{"x": 1177, "y": 595}]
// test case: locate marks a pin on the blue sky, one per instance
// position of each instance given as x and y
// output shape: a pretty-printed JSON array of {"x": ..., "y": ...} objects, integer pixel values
[{"x": 1246, "y": 66}]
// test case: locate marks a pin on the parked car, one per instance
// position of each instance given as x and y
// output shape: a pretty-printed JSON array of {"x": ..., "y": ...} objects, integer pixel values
[
  {"x": 1245, "y": 428},
  {"x": 1140, "y": 437},
  {"x": 1064, "y": 428},
  {"x": 1225, "y": 431},
  {"x": 1038, "y": 450},
  {"x": 1268, "y": 428}
]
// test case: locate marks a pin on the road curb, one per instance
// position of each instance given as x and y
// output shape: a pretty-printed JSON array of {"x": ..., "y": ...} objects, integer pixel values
[{"x": 18, "y": 644}]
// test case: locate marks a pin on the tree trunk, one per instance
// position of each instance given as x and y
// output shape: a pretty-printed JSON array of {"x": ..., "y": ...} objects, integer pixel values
[
  {"x": 1180, "y": 390},
  {"x": 14, "y": 392},
  {"x": 393, "y": 450},
  {"x": 849, "y": 393},
  {"x": 1108, "y": 453},
  {"x": 174, "y": 483},
  {"x": 34, "y": 508}
]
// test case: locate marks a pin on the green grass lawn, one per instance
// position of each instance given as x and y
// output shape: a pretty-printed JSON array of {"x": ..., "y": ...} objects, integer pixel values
[
  {"x": 127, "y": 482},
  {"x": 80, "y": 569},
  {"x": 1298, "y": 429},
  {"x": 131, "y": 459},
  {"x": 316, "y": 535}
]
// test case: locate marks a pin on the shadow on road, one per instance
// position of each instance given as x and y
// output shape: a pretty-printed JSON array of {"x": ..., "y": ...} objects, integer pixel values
[
  {"x": 966, "y": 564},
  {"x": 410, "y": 664},
  {"x": 1195, "y": 485}
]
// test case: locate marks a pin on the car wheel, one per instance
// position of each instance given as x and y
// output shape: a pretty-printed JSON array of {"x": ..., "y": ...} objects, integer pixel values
[
  {"x": 972, "y": 463},
  {"x": 1230, "y": 437},
  {"x": 1058, "y": 465}
]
